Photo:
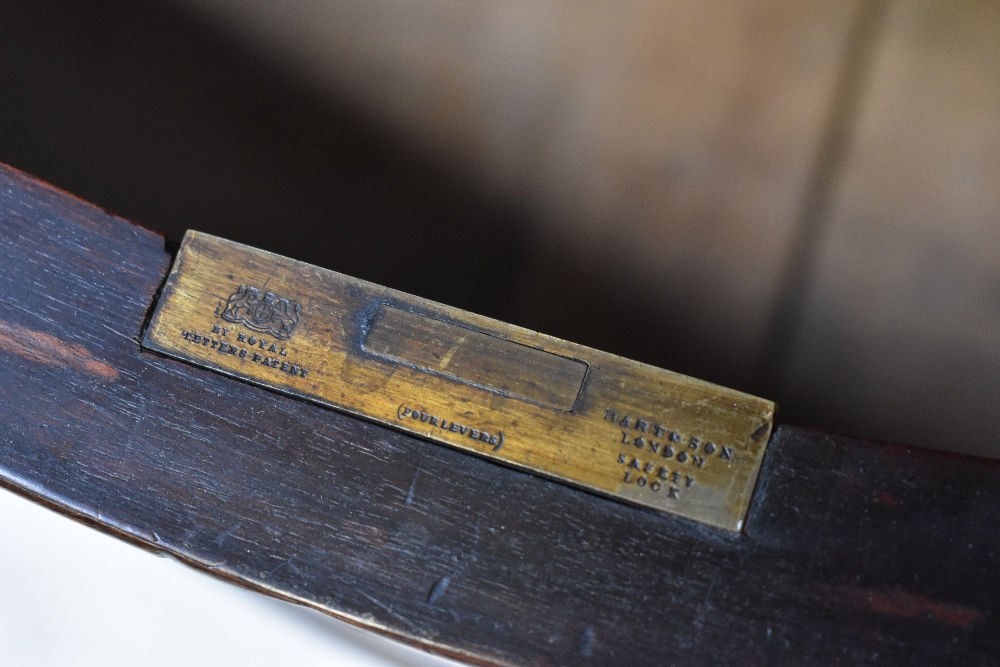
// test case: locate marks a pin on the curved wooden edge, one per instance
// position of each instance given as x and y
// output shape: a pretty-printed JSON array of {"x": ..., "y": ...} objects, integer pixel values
[{"x": 853, "y": 550}]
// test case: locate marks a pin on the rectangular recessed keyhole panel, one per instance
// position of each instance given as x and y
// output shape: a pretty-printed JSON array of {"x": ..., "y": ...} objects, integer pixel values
[
  {"x": 475, "y": 358},
  {"x": 571, "y": 413}
]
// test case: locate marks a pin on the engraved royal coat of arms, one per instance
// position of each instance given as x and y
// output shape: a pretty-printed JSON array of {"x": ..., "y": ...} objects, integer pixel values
[{"x": 268, "y": 313}]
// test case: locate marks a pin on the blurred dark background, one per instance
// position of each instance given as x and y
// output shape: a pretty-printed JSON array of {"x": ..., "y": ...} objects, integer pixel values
[{"x": 796, "y": 199}]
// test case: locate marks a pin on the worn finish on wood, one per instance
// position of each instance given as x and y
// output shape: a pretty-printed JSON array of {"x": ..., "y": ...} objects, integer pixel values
[
  {"x": 854, "y": 552},
  {"x": 563, "y": 410}
]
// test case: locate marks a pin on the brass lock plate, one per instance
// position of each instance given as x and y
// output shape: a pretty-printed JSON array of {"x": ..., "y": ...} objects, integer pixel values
[{"x": 591, "y": 419}]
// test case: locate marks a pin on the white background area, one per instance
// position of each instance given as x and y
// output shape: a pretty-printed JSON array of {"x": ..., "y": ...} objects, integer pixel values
[{"x": 72, "y": 596}]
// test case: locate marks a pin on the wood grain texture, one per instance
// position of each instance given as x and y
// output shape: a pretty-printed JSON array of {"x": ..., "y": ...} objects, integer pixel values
[{"x": 854, "y": 552}]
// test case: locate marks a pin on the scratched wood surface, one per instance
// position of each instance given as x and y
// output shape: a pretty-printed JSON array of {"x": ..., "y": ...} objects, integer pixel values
[{"x": 854, "y": 552}]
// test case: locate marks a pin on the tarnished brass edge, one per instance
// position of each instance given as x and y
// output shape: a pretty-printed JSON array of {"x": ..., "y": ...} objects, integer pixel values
[
  {"x": 750, "y": 481},
  {"x": 548, "y": 476}
]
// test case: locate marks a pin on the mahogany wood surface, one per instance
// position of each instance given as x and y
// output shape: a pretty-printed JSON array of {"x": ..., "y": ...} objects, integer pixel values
[{"x": 854, "y": 552}]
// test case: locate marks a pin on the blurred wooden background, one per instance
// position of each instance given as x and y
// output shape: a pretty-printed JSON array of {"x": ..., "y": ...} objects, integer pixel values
[{"x": 798, "y": 199}]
